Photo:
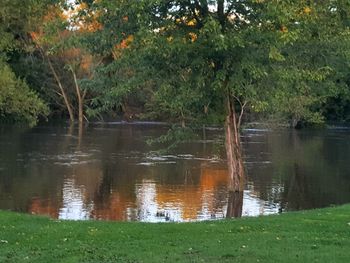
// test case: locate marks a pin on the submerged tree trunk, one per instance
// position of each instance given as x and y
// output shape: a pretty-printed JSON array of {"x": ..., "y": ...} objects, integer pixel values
[
  {"x": 233, "y": 150},
  {"x": 235, "y": 204},
  {"x": 234, "y": 160},
  {"x": 80, "y": 98},
  {"x": 80, "y": 135}
]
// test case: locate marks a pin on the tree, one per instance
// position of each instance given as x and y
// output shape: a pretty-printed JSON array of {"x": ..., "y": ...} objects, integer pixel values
[
  {"x": 61, "y": 43},
  {"x": 17, "y": 101},
  {"x": 313, "y": 68},
  {"x": 203, "y": 57}
]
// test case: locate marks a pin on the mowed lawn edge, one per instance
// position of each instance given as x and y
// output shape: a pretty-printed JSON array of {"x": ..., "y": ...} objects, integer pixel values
[{"x": 320, "y": 235}]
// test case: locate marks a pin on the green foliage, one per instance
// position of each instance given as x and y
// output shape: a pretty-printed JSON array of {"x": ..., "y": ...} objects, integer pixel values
[
  {"x": 194, "y": 56},
  {"x": 17, "y": 19},
  {"x": 17, "y": 102},
  {"x": 181, "y": 60},
  {"x": 31, "y": 68},
  {"x": 316, "y": 66}
]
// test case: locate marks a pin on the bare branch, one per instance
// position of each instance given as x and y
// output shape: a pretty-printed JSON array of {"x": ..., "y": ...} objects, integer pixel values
[
  {"x": 64, "y": 95},
  {"x": 241, "y": 114},
  {"x": 237, "y": 99},
  {"x": 86, "y": 119},
  {"x": 84, "y": 94},
  {"x": 242, "y": 105}
]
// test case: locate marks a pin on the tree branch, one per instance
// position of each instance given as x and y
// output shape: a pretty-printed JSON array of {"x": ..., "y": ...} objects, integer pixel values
[
  {"x": 64, "y": 95},
  {"x": 243, "y": 105},
  {"x": 242, "y": 112}
]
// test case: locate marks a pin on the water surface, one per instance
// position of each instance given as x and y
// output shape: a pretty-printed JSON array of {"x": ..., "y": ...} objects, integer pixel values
[{"x": 109, "y": 172}]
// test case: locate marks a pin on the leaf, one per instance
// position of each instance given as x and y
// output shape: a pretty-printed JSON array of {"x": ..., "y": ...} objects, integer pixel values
[{"x": 276, "y": 55}]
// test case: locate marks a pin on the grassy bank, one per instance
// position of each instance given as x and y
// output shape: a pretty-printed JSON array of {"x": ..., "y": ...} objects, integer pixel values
[{"x": 313, "y": 236}]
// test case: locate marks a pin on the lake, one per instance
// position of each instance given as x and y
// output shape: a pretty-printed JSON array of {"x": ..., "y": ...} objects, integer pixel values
[{"x": 109, "y": 172}]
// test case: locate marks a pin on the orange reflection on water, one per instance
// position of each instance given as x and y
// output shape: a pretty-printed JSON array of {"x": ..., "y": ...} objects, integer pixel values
[
  {"x": 85, "y": 194},
  {"x": 192, "y": 198},
  {"x": 213, "y": 177},
  {"x": 44, "y": 207},
  {"x": 114, "y": 208}
]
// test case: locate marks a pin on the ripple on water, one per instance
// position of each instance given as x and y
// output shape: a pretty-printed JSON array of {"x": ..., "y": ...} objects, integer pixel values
[
  {"x": 75, "y": 162},
  {"x": 65, "y": 159},
  {"x": 172, "y": 159},
  {"x": 257, "y": 162},
  {"x": 155, "y": 163}
]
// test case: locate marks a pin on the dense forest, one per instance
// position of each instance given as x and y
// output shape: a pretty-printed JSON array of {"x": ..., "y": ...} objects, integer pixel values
[
  {"x": 181, "y": 61},
  {"x": 186, "y": 62}
]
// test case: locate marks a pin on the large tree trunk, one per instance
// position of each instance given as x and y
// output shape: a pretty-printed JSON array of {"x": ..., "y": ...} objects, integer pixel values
[
  {"x": 234, "y": 150},
  {"x": 234, "y": 161},
  {"x": 235, "y": 204}
]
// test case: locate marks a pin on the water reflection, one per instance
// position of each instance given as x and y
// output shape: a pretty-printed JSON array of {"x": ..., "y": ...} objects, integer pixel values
[{"x": 109, "y": 173}]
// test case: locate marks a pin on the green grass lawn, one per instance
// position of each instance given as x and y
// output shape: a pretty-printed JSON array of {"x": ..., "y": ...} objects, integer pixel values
[{"x": 314, "y": 236}]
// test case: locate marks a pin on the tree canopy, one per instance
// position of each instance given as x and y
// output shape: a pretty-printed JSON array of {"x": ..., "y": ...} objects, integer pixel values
[
  {"x": 182, "y": 60},
  {"x": 270, "y": 55},
  {"x": 18, "y": 103}
]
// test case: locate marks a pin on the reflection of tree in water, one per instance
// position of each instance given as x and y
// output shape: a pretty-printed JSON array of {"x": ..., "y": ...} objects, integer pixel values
[
  {"x": 105, "y": 182},
  {"x": 311, "y": 176},
  {"x": 67, "y": 142},
  {"x": 304, "y": 172},
  {"x": 29, "y": 177},
  {"x": 115, "y": 195},
  {"x": 49, "y": 158},
  {"x": 204, "y": 193},
  {"x": 306, "y": 169},
  {"x": 262, "y": 182},
  {"x": 296, "y": 194}
]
